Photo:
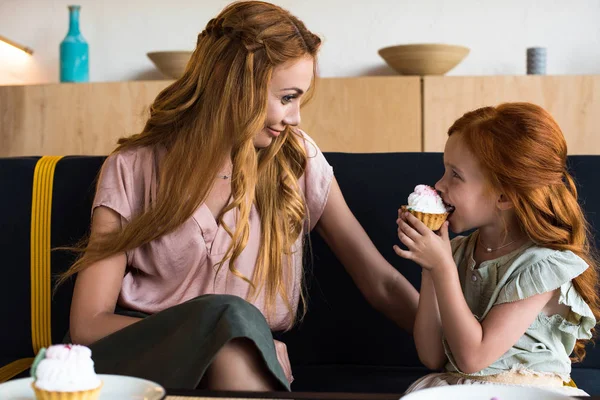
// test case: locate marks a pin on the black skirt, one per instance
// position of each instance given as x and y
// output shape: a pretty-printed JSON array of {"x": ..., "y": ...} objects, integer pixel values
[{"x": 176, "y": 346}]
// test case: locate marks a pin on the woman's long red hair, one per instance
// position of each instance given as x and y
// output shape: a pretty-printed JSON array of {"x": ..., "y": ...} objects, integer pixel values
[{"x": 214, "y": 112}]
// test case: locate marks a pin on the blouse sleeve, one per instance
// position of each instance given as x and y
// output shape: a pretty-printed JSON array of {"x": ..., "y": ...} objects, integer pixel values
[
  {"x": 316, "y": 181},
  {"x": 115, "y": 186}
]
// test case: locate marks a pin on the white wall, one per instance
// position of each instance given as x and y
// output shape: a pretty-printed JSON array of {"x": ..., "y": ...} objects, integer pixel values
[{"x": 120, "y": 32}]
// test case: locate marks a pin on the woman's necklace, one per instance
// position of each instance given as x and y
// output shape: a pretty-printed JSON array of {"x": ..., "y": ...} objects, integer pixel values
[{"x": 489, "y": 249}]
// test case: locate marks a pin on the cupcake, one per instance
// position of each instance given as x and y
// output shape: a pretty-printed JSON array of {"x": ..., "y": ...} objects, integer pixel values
[
  {"x": 426, "y": 204},
  {"x": 65, "y": 372}
]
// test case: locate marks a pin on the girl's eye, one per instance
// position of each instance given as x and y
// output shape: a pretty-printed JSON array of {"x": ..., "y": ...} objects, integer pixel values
[
  {"x": 287, "y": 99},
  {"x": 455, "y": 175}
]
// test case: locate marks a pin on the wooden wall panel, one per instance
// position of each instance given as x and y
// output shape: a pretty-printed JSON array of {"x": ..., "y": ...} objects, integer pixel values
[
  {"x": 574, "y": 101},
  {"x": 371, "y": 114},
  {"x": 61, "y": 119},
  {"x": 365, "y": 115}
]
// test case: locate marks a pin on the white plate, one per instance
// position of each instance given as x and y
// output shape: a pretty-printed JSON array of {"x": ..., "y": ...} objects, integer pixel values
[
  {"x": 115, "y": 387},
  {"x": 484, "y": 392}
]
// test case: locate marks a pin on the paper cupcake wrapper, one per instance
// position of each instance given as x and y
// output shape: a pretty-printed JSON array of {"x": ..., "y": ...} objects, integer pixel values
[
  {"x": 91, "y": 394},
  {"x": 432, "y": 221}
]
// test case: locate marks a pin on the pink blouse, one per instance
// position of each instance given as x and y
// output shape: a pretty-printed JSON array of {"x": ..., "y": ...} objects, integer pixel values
[{"x": 181, "y": 265}]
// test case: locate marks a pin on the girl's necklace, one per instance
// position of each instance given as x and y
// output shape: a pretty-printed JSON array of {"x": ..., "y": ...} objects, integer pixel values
[{"x": 489, "y": 249}]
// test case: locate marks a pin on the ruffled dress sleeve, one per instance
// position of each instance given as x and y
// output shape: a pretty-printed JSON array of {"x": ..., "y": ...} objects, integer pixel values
[{"x": 555, "y": 270}]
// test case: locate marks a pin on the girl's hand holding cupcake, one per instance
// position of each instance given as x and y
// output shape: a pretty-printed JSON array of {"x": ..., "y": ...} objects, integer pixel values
[
  {"x": 417, "y": 221},
  {"x": 431, "y": 250}
]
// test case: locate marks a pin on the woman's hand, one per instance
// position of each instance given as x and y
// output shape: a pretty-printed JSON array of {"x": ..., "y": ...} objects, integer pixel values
[
  {"x": 428, "y": 249},
  {"x": 284, "y": 360}
]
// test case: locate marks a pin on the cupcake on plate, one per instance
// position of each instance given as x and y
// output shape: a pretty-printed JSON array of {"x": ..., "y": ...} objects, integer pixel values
[
  {"x": 426, "y": 204},
  {"x": 65, "y": 372}
]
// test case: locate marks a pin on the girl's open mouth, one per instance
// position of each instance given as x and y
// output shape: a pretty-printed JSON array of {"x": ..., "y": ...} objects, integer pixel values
[{"x": 449, "y": 207}]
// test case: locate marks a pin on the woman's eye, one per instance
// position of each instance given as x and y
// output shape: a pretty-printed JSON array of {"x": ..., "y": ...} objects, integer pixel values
[
  {"x": 455, "y": 175},
  {"x": 287, "y": 99}
]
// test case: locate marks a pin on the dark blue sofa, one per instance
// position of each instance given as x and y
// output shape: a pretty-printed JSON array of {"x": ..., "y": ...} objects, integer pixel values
[{"x": 342, "y": 344}]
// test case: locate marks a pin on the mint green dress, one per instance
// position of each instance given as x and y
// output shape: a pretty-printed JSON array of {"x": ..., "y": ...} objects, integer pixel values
[{"x": 545, "y": 346}]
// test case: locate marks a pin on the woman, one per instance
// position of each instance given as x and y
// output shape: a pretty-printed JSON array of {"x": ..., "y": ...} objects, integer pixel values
[{"x": 195, "y": 252}]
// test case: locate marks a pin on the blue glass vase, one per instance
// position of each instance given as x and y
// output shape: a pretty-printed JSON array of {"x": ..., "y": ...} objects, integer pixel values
[{"x": 74, "y": 52}]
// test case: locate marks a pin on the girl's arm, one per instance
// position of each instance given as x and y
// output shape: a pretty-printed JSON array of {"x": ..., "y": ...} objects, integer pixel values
[
  {"x": 428, "y": 326},
  {"x": 476, "y": 345},
  {"x": 381, "y": 284}
]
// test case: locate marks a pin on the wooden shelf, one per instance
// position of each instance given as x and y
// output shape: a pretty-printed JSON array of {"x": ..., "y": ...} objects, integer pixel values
[
  {"x": 574, "y": 101},
  {"x": 370, "y": 114},
  {"x": 363, "y": 114}
]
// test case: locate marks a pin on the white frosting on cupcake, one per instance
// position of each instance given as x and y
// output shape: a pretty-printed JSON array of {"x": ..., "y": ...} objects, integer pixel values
[
  {"x": 66, "y": 368},
  {"x": 426, "y": 199}
]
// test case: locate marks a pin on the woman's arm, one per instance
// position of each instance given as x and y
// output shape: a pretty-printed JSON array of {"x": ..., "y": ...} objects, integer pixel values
[
  {"x": 97, "y": 289},
  {"x": 381, "y": 284},
  {"x": 428, "y": 326}
]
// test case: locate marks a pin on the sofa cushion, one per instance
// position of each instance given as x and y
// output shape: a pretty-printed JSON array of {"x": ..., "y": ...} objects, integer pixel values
[
  {"x": 73, "y": 189},
  {"x": 587, "y": 379},
  {"x": 355, "y": 378},
  {"x": 341, "y": 327},
  {"x": 16, "y": 176},
  {"x": 341, "y": 338}
]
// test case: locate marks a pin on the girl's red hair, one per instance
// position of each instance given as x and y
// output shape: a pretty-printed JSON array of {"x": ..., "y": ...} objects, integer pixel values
[{"x": 524, "y": 154}]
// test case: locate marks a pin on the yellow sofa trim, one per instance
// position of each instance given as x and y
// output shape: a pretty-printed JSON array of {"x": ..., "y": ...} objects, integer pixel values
[{"x": 40, "y": 264}]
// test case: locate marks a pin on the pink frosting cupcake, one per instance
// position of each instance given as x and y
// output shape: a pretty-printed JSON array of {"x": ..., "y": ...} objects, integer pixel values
[
  {"x": 426, "y": 204},
  {"x": 65, "y": 372}
]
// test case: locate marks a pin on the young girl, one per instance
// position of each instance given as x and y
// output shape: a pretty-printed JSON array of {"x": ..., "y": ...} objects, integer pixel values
[{"x": 510, "y": 302}]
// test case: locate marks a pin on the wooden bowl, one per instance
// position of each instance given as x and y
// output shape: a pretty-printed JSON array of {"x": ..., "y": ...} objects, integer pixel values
[
  {"x": 423, "y": 59},
  {"x": 170, "y": 63}
]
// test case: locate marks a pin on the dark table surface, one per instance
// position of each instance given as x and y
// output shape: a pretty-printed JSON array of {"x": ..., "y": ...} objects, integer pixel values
[{"x": 299, "y": 395}]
